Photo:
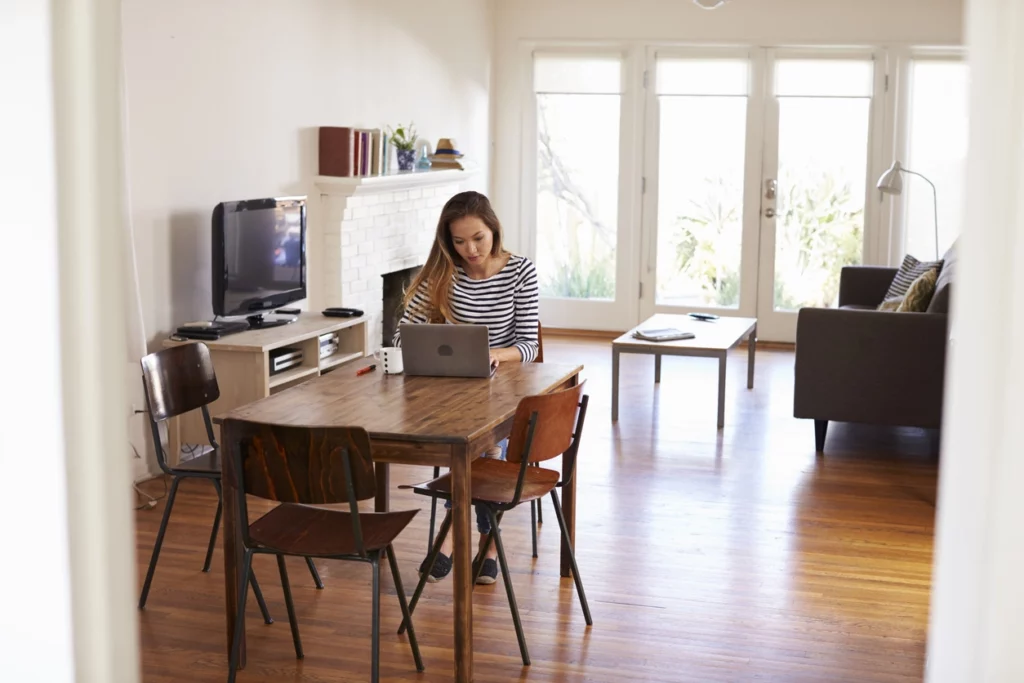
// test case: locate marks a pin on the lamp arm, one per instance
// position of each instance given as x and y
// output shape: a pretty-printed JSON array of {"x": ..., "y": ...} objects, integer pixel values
[{"x": 935, "y": 205}]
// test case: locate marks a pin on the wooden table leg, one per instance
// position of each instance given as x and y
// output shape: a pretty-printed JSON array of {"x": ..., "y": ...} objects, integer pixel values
[
  {"x": 462, "y": 561},
  {"x": 615, "y": 384},
  {"x": 232, "y": 548},
  {"x": 721, "y": 389},
  {"x": 751, "y": 347},
  {"x": 382, "y": 500},
  {"x": 657, "y": 368}
]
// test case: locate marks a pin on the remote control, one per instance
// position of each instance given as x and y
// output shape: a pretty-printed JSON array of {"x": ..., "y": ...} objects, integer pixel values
[
  {"x": 288, "y": 311},
  {"x": 340, "y": 312}
]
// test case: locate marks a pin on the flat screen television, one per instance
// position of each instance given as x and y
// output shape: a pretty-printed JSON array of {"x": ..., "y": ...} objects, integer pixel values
[{"x": 259, "y": 255}]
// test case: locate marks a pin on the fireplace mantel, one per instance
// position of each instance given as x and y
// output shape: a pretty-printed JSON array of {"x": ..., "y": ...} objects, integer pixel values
[
  {"x": 400, "y": 180},
  {"x": 372, "y": 225}
]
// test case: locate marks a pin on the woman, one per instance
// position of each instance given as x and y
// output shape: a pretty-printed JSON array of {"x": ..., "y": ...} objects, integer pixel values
[{"x": 470, "y": 278}]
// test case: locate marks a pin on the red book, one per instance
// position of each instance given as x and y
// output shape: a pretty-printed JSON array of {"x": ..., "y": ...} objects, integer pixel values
[{"x": 338, "y": 151}]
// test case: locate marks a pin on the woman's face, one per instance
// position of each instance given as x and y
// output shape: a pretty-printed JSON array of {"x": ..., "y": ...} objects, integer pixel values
[{"x": 472, "y": 238}]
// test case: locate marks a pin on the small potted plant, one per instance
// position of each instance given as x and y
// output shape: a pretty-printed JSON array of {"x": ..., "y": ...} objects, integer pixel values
[{"x": 404, "y": 140}]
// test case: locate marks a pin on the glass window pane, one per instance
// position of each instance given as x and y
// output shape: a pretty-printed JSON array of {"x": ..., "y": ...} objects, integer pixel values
[
  {"x": 823, "y": 144},
  {"x": 824, "y": 77},
  {"x": 700, "y": 200},
  {"x": 937, "y": 150},
  {"x": 596, "y": 75},
  {"x": 577, "y": 194},
  {"x": 703, "y": 77}
]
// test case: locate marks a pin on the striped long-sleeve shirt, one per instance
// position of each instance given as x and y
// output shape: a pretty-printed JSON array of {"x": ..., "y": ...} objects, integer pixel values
[{"x": 506, "y": 302}]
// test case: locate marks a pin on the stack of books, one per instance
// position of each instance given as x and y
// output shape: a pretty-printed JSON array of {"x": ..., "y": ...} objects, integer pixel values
[{"x": 347, "y": 151}]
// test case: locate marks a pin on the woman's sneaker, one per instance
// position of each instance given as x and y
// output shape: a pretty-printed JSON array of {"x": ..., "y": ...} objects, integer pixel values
[
  {"x": 488, "y": 573},
  {"x": 442, "y": 567}
]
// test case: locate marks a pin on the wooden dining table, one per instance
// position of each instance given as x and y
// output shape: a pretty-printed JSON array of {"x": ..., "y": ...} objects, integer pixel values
[{"x": 432, "y": 421}]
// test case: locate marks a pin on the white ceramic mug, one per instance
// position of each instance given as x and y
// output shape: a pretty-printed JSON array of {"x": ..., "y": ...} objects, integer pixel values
[{"x": 390, "y": 358}]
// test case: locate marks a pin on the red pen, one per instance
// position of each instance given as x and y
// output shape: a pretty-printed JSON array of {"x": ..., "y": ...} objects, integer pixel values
[{"x": 363, "y": 371}]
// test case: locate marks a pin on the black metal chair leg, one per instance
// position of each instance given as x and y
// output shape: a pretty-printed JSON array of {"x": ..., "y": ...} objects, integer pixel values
[
  {"x": 292, "y": 619},
  {"x": 438, "y": 542},
  {"x": 433, "y": 514},
  {"x": 375, "y": 618},
  {"x": 406, "y": 615},
  {"x": 533, "y": 525},
  {"x": 315, "y": 574},
  {"x": 216, "y": 526},
  {"x": 508, "y": 589},
  {"x": 267, "y": 619},
  {"x": 572, "y": 559},
  {"x": 540, "y": 509},
  {"x": 243, "y": 593},
  {"x": 159, "y": 543}
]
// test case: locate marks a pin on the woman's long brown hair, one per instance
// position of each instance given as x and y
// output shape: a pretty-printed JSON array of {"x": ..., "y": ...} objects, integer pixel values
[{"x": 438, "y": 273}]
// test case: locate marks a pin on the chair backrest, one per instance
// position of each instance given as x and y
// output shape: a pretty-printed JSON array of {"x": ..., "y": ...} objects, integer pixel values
[
  {"x": 540, "y": 345},
  {"x": 554, "y": 425},
  {"x": 179, "y": 379},
  {"x": 306, "y": 465},
  {"x": 309, "y": 465}
]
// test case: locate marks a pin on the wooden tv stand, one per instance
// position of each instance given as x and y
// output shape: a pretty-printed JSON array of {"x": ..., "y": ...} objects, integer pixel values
[{"x": 242, "y": 364}]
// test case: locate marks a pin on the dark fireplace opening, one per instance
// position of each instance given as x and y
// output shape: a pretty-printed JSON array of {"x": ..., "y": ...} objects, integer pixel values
[{"x": 395, "y": 285}]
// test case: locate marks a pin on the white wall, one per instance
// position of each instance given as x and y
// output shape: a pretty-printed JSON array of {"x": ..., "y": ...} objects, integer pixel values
[
  {"x": 745, "y": 22},
  {"x": 35, "y": 635},
  {"x": 69, "y": 606},
  {"x": 977, "y": 600},
  {"x": 224, "y": 99}
]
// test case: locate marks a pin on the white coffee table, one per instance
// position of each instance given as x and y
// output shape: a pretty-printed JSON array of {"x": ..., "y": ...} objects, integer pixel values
[{"x": 712, "y": 340}]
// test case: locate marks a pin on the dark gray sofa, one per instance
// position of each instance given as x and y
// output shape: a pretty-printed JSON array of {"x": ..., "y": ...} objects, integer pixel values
[{"x": 857, "y": 364}]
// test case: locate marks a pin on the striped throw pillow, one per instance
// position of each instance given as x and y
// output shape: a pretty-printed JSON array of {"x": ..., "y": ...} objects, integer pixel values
[{"x": 910, "y": 270}]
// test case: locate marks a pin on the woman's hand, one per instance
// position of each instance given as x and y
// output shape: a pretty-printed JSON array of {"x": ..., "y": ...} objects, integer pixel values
[
  {"x": 507, "y": 355},
  {"x": 495, "y": 361}
]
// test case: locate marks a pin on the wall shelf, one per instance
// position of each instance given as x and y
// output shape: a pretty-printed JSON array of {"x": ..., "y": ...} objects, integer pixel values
[{"x": 292, "y": 374}]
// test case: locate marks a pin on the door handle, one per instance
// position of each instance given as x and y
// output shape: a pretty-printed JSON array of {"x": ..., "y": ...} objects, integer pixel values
[
  {"x": 769, "y": 212},
  {"x": 771, "y": 187}
]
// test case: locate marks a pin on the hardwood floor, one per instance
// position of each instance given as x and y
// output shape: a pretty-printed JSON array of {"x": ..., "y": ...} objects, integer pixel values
[{"x": 732, "y": 555}]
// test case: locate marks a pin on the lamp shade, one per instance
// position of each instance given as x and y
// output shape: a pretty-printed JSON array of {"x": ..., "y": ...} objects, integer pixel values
[{"x": 891, "y": 181}]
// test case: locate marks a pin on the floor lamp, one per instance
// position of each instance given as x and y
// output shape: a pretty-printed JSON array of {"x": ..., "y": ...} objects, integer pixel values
[{"x": 891, "y": 182}]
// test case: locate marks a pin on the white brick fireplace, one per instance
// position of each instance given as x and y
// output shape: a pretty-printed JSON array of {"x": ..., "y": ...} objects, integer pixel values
[{"x": 374, "y": 225}]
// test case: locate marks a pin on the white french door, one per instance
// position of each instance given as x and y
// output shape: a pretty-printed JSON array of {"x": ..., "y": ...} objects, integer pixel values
[
  {"x": 582, "y": 179},
  {"x": 757, "y": 167}
]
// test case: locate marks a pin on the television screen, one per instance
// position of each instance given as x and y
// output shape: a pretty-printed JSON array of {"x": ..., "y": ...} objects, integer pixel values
[{"x": 259, "y": 255}]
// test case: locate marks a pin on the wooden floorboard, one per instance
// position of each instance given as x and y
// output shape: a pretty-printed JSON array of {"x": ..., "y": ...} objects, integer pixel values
[{"x": 732, "y": 555}]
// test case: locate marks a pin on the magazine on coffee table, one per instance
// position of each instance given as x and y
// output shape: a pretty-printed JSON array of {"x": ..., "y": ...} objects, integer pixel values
[{"x": 662, "y": 334}]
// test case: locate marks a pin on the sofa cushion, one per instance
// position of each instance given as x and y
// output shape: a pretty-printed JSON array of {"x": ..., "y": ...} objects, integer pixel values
[
  {"x": 910, "y": 270},
  {"x": 920, "y": 293},
  {"x": 940, "y": 300}
]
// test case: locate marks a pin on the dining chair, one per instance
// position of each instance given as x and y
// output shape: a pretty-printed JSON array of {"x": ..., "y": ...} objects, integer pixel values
[
  {"x": 536, "y": 514},
  {"x": 300, "y": 467},
  {"x": 177, "y": 380},
  {"x": 544, "y": 427}
]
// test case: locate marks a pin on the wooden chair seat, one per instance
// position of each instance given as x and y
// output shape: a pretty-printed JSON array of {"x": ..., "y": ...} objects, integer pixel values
[
  {"x": 319, "y": 532},
  {"x": 494, "y": 481},
  {"x": 208, "y": 462}
]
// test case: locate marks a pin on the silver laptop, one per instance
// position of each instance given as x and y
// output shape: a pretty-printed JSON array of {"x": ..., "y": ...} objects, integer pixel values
[{"x": 446, "y": 350}]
